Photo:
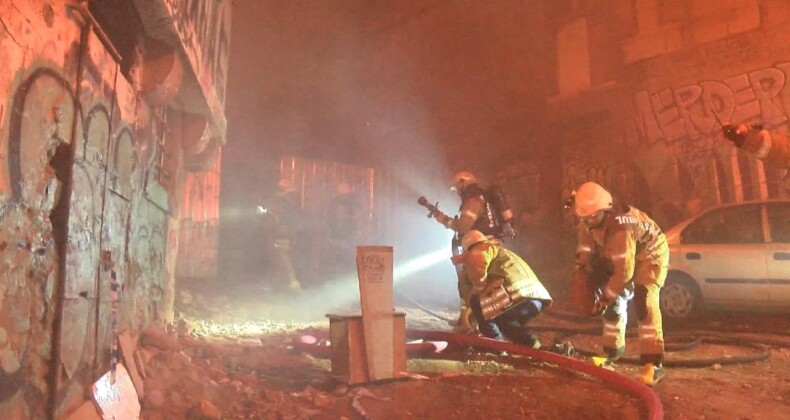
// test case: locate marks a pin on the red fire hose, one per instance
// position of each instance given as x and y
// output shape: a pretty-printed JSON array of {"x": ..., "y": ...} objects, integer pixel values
[{"x": 316, "y": 345}]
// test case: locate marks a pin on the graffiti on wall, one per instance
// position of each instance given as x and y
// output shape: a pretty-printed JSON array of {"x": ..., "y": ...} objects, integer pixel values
[{"x": 688, "y": 114}]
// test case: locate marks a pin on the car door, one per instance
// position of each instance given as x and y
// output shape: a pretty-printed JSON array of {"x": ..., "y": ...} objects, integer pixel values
[
  {"x": 725, "y": 250},
  {"x": 778, "y": 252}
]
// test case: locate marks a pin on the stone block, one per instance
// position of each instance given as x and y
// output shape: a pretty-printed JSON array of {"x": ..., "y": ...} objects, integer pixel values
[
  {"x": 645, "y": 47},
  {"x": 709, "y": 29},
  {"x": 744, "y": 19}
]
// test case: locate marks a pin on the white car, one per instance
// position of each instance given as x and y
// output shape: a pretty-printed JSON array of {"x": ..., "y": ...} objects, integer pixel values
[{"x": 730, "y": 256}]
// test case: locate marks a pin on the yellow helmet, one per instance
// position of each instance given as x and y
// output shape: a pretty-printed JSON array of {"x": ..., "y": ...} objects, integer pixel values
[
  {"x": 472, "y": 238},
  {"x": 462, "y": 179},
  {"x": 590, "y": 198}
]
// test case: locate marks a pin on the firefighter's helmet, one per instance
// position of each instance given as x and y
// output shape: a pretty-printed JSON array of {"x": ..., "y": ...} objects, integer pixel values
[
  {"x": 590, "y": 198},
  {"x": 472, "y": 238},
  {"x": 461, "y": 180}
]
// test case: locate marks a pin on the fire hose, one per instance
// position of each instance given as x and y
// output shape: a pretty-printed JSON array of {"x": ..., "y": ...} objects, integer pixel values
[
  {"x": 434, "y": 340},
  {"x": 675, "y": 342}
]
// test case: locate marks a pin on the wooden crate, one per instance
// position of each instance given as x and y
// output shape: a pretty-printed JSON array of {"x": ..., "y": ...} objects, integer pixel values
[{"x": 349, "y": 354}]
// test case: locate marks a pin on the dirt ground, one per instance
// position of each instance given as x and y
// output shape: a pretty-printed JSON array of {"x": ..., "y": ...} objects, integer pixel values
[{"x": 250, "y": 370}]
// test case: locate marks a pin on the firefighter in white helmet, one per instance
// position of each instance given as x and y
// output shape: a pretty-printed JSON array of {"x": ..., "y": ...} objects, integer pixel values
[
  {"x": 623, "y": 255},
  {"x": 481, "y": 209},
  {"x": 501, "y": 289},
  {"x": 771, "y": 148}
]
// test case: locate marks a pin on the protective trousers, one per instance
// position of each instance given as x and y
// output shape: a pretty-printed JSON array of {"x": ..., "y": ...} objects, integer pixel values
[
  {"x": 648, "y": 278},
  {"x": 282, "y": 251},
  {"x": 511, "y": 324}
]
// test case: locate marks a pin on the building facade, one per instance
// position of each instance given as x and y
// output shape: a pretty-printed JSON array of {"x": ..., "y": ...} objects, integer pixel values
[
  {"x": 642, "y": 86},
  {"x": 111, "y": 123}
]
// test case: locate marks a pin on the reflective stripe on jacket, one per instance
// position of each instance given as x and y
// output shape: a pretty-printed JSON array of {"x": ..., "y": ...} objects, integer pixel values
[
  {"x": 490, "y": 261},
  {"x": 625, "y": 239}
]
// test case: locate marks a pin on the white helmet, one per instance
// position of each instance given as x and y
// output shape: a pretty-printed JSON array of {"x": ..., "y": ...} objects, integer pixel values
[
  {"x": 461, "y": 180},
  {"x": 590, "y": 198},
  {"x": 472, "y": 238}
]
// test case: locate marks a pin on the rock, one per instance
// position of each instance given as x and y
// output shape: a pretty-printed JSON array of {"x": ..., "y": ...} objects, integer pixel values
[
  {"x": 716, "y": 366},
  {"x": 204, "y": 410},
  {"x": 154, "y": 398},
  {"x": 253, "y": 342},
  {"x": 158, "y": 338},
  {"x": 9, "y": 360}
]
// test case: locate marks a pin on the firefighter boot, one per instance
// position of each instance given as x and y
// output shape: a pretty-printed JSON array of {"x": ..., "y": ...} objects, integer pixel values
[
  {"x": 652, "y": 374},
  {"x": 603, "y": 362}
]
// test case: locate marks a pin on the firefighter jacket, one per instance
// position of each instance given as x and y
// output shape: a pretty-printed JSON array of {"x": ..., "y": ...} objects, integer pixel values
[
  {"x": 476, "y": 212},
  {"x": 626, "y": 239},
  {"x": 488, "y": 263},
  {"x": 771, "y": 148}
]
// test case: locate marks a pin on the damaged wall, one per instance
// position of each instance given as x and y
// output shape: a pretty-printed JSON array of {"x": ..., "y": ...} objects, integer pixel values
[{"x": 81, "y": 163}]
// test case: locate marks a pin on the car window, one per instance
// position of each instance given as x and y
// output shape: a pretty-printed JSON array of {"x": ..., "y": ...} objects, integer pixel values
[
  {"x": 730, "y": 225},
  {"x": 779, "y": 218}
]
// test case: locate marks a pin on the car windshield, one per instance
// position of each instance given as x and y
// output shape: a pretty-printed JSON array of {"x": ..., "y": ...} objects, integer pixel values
[{"x": 729, "y": 225}]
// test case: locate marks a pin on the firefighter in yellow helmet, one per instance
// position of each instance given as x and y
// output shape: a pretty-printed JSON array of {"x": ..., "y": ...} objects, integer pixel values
[
  {"x": 501, "y": 289},
  {"x": 771, "y": 148},
  {"x": 624, "y": 255}
]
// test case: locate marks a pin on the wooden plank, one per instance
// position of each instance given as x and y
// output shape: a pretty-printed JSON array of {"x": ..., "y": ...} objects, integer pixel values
[
  {"x": 87, "y": 411},
  {"x": 374, "y": 268},
  {"x": 128, "y": 345}
]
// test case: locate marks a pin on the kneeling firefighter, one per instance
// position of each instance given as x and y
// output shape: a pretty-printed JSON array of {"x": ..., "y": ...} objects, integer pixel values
[
  {"x": 501, "y": 289},
  {"x": 622, "y": 255},
  {"x": 485, "y": 211}
]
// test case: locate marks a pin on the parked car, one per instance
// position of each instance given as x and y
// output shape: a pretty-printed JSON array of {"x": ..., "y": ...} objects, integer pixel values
[{"x": 730, "y": 256}]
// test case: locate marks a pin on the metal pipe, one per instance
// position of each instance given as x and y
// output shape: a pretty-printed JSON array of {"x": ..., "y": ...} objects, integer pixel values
[{"x": 82, "y": 9}]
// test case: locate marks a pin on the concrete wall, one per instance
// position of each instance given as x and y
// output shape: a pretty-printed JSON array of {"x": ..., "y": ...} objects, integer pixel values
[{"x": 81, "y": 164}]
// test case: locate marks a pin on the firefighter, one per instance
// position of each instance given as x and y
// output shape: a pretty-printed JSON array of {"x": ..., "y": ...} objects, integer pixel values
[
  {"x": 480, "y": 210},
  {"x": 485, "y": 211},
  {"x": 624, "y": 255},
  {"x": 501, "y": 289},
  {"x": 771, "y": 148},
  {"x": 286, "y": 211}
]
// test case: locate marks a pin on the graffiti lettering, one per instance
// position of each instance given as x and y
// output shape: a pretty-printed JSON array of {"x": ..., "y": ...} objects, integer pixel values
[{"x": 689, "y": 112}]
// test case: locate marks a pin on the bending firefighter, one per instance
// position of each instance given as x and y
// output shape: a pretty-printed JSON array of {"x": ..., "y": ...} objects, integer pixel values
[
  {"x": 485, "y": 211},
  {"x": 501, "y": 289},
  {"x": 622, "y": 255}
]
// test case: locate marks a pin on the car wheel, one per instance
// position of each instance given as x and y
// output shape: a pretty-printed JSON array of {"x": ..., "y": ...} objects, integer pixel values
[{"x": 680, "y": 297}]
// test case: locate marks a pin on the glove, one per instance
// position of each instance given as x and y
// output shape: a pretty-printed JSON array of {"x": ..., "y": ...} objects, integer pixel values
[
  {"x": 737, "y": 135},
  {"x": 507, "y": 230},
  {"x": 599, "y": 307},
  {"x": 464, "y": 323}
]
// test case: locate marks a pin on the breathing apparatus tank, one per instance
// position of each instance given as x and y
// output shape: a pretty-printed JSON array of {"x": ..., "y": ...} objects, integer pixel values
[{"x": 499, "y": 201}]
